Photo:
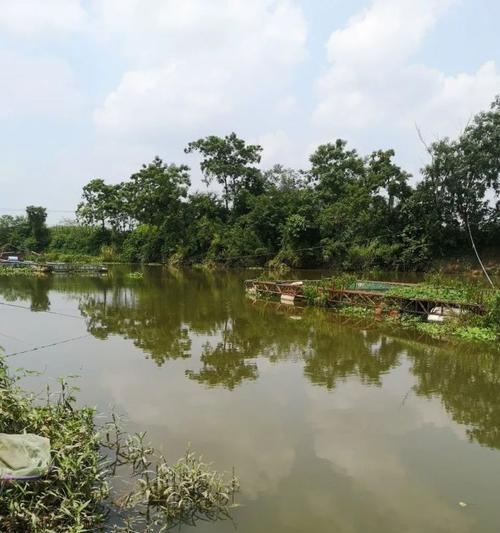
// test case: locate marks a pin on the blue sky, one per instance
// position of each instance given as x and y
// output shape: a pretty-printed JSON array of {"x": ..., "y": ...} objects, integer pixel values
[{"x": 95, "y": 88}]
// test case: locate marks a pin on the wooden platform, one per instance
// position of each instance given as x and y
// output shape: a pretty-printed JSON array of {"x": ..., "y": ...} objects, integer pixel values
[{"x": 293, "y": 290}]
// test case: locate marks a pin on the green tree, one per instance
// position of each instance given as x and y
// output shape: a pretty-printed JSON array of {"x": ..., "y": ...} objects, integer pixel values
[
  {"x": 13, "y": 230},
  {"x": 39, "y": 234},
  {"x": 102, "y": 204},
  {"x": 154, "y": 193},
  {"x": 228, "y": 160},
  {"x": 333, "y": 168},
  {"x": 462, "y": 178}
]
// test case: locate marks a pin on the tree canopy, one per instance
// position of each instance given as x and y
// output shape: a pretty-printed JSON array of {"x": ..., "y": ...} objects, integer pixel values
[{"x": 346, "y": 210}]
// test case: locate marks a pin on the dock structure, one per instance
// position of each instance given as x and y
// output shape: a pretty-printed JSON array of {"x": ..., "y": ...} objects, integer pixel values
[
  {"x": 57, "y": 267},
  {"x": 54, "y": 267},
  {"x": 361, "y": 293}
]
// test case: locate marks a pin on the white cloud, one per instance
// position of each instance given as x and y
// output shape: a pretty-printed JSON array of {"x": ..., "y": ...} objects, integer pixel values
[
  {"x": 287, "y": 105},
  {"x": 385, "y": 34},
  {"x": 194, "y": 62},
  {"x": 160, "y": 30},
  {"x": 36, "y": 87},
  {"x": 457, "y": 98},
  {"x": 28, "y": 17},
  {"x": 277, "y": 147},
  {"x": 166, "y": 98},
  {"x": 374, "y": 450},
  {"x": 374, "y": 90}
]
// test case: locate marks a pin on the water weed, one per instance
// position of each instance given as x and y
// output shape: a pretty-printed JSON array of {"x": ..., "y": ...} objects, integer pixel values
[
  {"x": 135, "y": 275},
  {"x": 8, "y": 271}
]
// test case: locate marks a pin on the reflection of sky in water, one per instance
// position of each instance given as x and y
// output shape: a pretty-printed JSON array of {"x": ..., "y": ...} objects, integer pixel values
[{"x": 331, "y": 426}]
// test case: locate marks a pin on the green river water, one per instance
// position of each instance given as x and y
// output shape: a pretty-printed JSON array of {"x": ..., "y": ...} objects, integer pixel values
[{"x": 332, "y": 424}]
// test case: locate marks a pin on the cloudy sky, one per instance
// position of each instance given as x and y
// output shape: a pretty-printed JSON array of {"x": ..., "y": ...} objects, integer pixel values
[{"x": 94, "y": 88}]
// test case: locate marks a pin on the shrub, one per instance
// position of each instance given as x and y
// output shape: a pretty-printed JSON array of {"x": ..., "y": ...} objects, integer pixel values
[
  {"x": 71, "y": 497},
  {"x": 76, "y": 239},
  {"x": 493, "y": 316},
  {"x": 142, "y": 245}
]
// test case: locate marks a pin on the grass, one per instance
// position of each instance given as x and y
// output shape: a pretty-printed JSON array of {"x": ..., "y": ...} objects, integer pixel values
[
  {"x": 8, "y": 271},
  {"x": 468, "y": 328},
  {"x": 76, "y": 495},
  {"x": 61, "y": 257},
  {"x": 438, "y": 287},
  {"x": 314, "y": 294}
]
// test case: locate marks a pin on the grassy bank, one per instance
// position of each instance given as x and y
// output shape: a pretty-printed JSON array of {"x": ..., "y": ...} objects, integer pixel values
[{"x": 77, "y": 495}]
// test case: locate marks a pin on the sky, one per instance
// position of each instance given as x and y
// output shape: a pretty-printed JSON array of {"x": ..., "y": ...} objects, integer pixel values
[{"x": 96, "y": 88}]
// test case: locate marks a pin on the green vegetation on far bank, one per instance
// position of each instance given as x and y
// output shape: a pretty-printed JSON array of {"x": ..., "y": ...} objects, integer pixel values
[{"x": 346, "y": 211}]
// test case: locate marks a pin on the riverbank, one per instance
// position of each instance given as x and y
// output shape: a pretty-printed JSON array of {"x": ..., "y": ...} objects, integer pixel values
[
  {"x": 78, "y": 493},
  {"x": 458, "y": 264}
]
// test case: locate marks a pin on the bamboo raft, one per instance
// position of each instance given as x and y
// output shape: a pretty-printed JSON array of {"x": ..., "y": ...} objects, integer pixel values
[{"x": 363, "y": 293}]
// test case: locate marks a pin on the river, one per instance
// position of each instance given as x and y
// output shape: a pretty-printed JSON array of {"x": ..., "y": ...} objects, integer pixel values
[{"x": 332, "y": 424}]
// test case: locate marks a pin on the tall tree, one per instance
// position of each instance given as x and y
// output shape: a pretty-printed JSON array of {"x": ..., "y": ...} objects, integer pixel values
[
  {"x": 333, "y": 168},
  {"x": 39, "y": 232},
  {"x": 155, "y": 192},
  {"x": 101, "y": 204},
  {"x": 464, "y": 174},
  {"x": 228, "y": 160}
]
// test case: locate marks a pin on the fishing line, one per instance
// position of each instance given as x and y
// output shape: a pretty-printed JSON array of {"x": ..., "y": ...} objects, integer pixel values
[
  {"x": 17, "y": 306},
  {"x": 10, "y": 337},
  {"x": 56, "y": 343}
]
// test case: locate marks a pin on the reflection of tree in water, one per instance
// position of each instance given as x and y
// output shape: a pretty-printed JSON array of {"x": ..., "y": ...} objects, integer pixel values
[
  {"x": 468, "y": 384},
  {"x": 226, "y": 363},
  {"x": 249, "y": 335},
  {"x": 330, "y": 350},
  {"x": 121, "y": 312},
  {"x": 159, "y": 313},
  {"x": 341, "y": 352},
  {"x": 223, "y": 365},
  {"x": 32, "y": 289},
  {"x": 162, "y": 312}
]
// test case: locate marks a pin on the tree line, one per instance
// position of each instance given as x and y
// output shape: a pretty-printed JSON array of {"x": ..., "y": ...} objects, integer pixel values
[{"x": 346, "y": 210}]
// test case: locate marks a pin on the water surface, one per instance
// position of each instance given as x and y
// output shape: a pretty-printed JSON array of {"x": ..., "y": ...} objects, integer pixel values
[{"x": 333, "y": 425}]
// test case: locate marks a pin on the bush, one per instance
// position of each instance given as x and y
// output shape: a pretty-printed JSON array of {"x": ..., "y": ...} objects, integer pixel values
[
  {"x": 373, "y": 255},
  {"x": 76, "y": 239},
  {"x": 493, "y": 316},
  {"x": 71, "y": 497},
  {"x": 142, "y": 245}
]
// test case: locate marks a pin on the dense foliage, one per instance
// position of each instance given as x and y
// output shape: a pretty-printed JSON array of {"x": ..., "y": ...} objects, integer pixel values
[{"x": 346, "y": 211}]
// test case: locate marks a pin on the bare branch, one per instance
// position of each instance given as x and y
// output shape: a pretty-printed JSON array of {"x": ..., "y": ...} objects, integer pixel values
[{"x": 422, "y": 140}]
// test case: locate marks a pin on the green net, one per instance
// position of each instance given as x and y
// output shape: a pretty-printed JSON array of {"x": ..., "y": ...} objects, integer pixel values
[{"x": 379, "y": 286}]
